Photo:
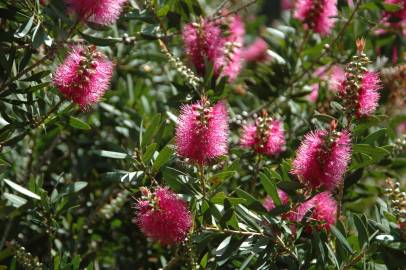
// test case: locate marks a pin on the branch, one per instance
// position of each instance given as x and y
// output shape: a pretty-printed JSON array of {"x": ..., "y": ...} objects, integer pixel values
[{"x": 227, "y": 231}]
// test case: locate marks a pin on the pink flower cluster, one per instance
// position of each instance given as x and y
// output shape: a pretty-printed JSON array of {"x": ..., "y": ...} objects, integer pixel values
[
  {"x": 322, "y": 210},
  {"x": 322, "y": 159},
  {"x": 102, "y": 12},
  {"x": 368, "y": 95},
  {"x": 84, "y": 76},
  {"x": 205, "y": 41},
  {"x": 334, "y": 76},
  {"x": 317, "y": 15},
  {"x": 164, "y": 217},
  {"x": 394, "y": 20},
  {"x": 256, "y": 52},
  {"x": 202, "y": 131},
  {"x": 268, "y": 140},
  {"x": 269, "y": 203}
]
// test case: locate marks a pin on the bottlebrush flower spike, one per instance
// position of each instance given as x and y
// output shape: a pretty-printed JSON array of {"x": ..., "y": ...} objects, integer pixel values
[
  {"x": 317, "y": 15},
  {"x": 204, "y": 41},
  {"x": 269, "y": 204},
  {"x": 394, "y": 20},
  {"x": 233, "y": 47},
  {"x": 314, "y": 94},
  {"x": 359, "y": 90},
  {"x": 322, "y": 208},
  {"x": 102, "y": 12},
  {"x": 202, "y": 131},
  {"x": 163, "y": 216},
  {"x": 322, "y": 158},
  {"x": 257, "y": 51},
  {"x": 266, "y": 136},
  {"x": 84, "y": 76}
]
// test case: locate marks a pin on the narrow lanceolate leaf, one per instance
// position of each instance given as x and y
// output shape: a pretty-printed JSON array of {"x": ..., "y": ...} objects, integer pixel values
[
  {"x": 22, "y": 190},
  {"x": 79, "y": 124},
  {"x": 270, "y": 188},
  {"x": 112, "y": 154},
  {"x": 341, "y": 239},
  {"x": 163, "y": 157},
  {"x": 15, "y": 200}
]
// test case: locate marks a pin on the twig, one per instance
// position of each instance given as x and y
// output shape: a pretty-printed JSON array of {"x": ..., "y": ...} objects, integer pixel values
[
  {"x": 202, "y": 180},
  {"x": 6, "y": 232},
  {"x": 234, "y": 11},
  {"x": 173, "y": 263},
  {"x": 256, "y": 172},
  {"x": 285, "y": 247},
  {"x": 228, "y": 231}
]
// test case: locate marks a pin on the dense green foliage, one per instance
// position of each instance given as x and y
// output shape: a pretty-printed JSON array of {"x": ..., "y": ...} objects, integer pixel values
[{"x": 69, "y": 177}]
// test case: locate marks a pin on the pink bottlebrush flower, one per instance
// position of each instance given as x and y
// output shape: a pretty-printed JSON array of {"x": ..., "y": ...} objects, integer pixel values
[
  {"x": 312, "y": 97},
  {"x": 84, "y": 76},
  {"x": 317, "y": 15},
  {"x": 233, "y": 47},
  {"x": 204, "y": 41},
  {"x": 202, "y": 131},
  {"x": 266, "y": 136},
  {"x": 394, "y": 21},
  {"x": 102, "y": 12},
  {"x": 401, "y": 129},
  {"x": 337, "y": 76},
  {"x": 257, "y": 51},
  {"x": 334, "y": 76},
  {"x": 287, "y": 4},
  {"x": 368, "y": 95},
  {"x": 164, "y": 217},
  {"x": 322, "y": 209},
  {"x": 269, "y": 204},
  {"x": 322, "y": 159}
]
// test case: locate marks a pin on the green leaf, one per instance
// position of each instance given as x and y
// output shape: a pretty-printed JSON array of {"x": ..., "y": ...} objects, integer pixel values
[
  {"x": 151, "y": 130},
  {"x": 221, "y": 249},
  {"x": 164, "y": 156},
  {"x": 341, "y": 239},
  {"x": 373, "y": 137},
  {"x": 75, "y": 187},
  {"x": 100, "y": 41},
  {"x": 324, "y": 118},
  {"x": 22, "y": 190},
  {"x": 149, "y": 152},
  {"x": 23, "y": 31},
  {"x": 362, "y": 231},
  {"x": 111, "y": 154},
  {"x": 79, "y": 124},
  {"x": 270, "y": 188},
  {"x": 15, "y": 200}
]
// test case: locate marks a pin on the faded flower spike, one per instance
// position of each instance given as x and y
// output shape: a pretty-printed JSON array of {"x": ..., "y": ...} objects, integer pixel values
[
  {"x": 317, "y": 15},
  {"x": 84, "y": 76},
  {"x": 202, "y": 131},
  {"x": 322, "y": 158},
  {"x": 102, "y": 12},
  {"x": 162, "y": 216},
  {"x": 359, "y": 90},
  {"x": 266, "y": 136}
]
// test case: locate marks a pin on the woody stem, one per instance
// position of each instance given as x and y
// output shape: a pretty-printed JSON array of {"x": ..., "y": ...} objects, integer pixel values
[
  {"x": 202, "y": 180},
  {"x": 340, "y": 198},
  {"x": 256, "y": 172}
]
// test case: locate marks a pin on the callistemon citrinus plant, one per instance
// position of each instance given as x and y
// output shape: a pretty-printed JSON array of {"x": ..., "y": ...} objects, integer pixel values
[{"x": 196, "y": 134}]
